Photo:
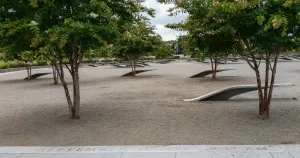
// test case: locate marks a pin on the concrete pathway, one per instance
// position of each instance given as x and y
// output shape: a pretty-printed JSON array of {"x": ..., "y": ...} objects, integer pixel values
[{"x": 197, "y": 151}]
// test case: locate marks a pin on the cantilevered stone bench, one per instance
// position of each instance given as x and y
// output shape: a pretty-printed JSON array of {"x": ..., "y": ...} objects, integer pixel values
[
  {"x": 127, "y": 65},
  {"x": 144, "y": 64},
  {"x": 165, "y": 62},
  {"x": 120, "y": 66},
  {"x": 228, "y": 92},
  {"x": 35, "y": 76},
  {"x": 234, "y": 60},
  {"x": 207, "y": 72},
  {"x": 137, "y": 72},
  {"x": 92, "y": 65},
  {"x": 285, "y": 58}
]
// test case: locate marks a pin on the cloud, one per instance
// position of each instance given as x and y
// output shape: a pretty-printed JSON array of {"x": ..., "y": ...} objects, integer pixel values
[{"x": 162, "y": 18}]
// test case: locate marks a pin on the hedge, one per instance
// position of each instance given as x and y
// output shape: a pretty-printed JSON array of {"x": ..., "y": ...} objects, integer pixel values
[
  {"x": 15, "y": 64},
  {"x": 4, "y": 65}
]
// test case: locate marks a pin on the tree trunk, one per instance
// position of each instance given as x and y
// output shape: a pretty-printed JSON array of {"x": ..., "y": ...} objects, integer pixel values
[
  {"x": 272, "y": 85},
  {"x": 76, "y": 94},
  {"x": 134, "y": 68},
  {"x": 30, "y": 71},
  {"x": 28, "y": 67},
  {"x": 212, "y": 66},
  {"x": 68, "y": 97},
  {"x": 213, "y": 62},
  {"x": 215, "y": 70},
  {"x": 61, "y": 67},
  {"x": 64, "y": 84},
  {"x": 260, "y": 92},
  {"x": 28, "y": 76},
  {"x": 55, "y": 75},
  {"x": 266, "y": 82}
]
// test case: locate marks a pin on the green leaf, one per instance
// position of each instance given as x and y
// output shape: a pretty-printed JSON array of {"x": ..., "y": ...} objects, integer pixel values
[
  {"x": 34, "y": 3},
  {"x": 288, "y": 3},
  {"x": 298, "y": 17},
  {"x": 260, "y": 19}
]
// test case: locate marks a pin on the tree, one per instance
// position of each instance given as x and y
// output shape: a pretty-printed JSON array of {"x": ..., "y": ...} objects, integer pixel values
[
  {"x": 214, "y": 45},
  {"x": 65, "y": 30},
  {"x": 28, "y": 57},
  {"x": 214, "y": 40},
  {"x": 164, "y": 51},
  {"x": 263, "y": 30},
  {"x": 136, "y": 42},
  {"x": 16, "y": 32}
]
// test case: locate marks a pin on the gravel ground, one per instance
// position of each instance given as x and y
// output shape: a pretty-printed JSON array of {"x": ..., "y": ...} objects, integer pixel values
[{"x": 147, "y": 110}]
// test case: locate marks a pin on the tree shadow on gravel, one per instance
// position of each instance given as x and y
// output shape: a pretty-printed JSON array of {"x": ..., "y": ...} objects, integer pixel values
[
  {"x": 22, "y": 81},
  {"x": 47, "y": 119},
  {"x": 256, "y": 99},
  {"x": 50, "y": 125},
  {"x": 52, "y": 121}
]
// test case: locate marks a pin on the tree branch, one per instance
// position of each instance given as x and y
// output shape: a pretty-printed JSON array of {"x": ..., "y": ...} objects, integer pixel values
[
  {"x": 259, "y": 63},
  {"x": 68, "y": 68},
  {"x": 249, "y": 63}
]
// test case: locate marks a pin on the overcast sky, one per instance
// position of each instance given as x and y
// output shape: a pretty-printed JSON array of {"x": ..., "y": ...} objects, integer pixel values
[{"x": 162, "y": 18}]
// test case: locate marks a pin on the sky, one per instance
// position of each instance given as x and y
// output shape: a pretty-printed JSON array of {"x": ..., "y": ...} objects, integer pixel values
[{"x": 162, "y": 18}]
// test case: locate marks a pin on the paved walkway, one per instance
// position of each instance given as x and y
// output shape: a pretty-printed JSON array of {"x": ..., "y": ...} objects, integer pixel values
[{"x": 198, "y": 151}]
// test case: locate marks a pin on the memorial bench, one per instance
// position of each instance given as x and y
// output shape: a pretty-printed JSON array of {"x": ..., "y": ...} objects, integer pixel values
[
  {"x": 35, "y": 76},
  {"x": 207, "y": 72},
  {"x": 136, "y": 72},
  {"x": 228, "y": 92}
]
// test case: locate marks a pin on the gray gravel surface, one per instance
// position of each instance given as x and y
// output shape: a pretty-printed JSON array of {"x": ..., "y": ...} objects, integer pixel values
[{"x": 147, "y": 110}]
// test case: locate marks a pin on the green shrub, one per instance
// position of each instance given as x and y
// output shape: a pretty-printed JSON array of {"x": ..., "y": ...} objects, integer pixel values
[
  {"x": 14, "y": 64},
  {"x": 40, "y": 63},
  {"x": 147, "y": 58},
  {"x": 4, "y": 65},
  {"x": 107, "y": 60}
]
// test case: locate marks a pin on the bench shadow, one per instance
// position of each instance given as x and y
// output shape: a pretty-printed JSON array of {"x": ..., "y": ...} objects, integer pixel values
[
  {"x": 250, "y": 100},
  {"x": 22, "y": 81},
  {"x": 223, "y": 78},
  {"x": 256, "y": 99}
]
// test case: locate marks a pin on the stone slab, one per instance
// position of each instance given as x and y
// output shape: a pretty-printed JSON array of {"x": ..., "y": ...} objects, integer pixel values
[
  {"x": 113, "y": 155},
  {"x": 295, "y": 154},
  {"x": 36, "y": 156},
  {"x": 155, "y": 151},
  {"x": 149, "y": 155},
  {"x": 79, "y": 155},
  {"x": 11, "y": 155},
  {"x": 153, "y": 148},
  {"x": 281, "y": 155},
  {"x": 195, "y": 155}
]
